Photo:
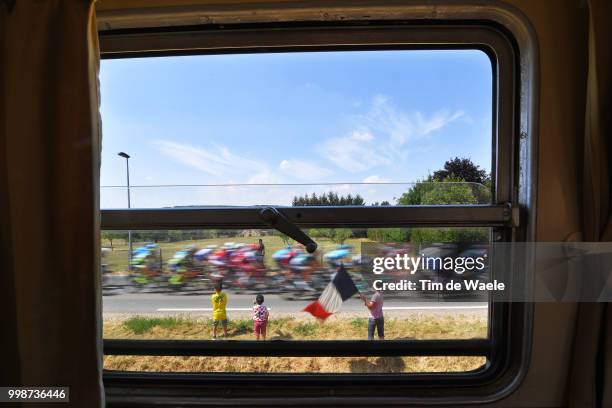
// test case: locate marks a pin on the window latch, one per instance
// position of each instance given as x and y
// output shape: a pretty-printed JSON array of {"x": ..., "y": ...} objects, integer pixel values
[{"x": 279, "y": 222}]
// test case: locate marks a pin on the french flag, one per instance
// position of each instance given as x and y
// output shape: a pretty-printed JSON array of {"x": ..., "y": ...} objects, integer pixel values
[{"x": 339, "y": 289}]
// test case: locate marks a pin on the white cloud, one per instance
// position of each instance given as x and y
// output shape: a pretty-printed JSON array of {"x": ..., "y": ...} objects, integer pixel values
[
  {"x": 217, "y": 161},
  {"x": 304, "y": 169},
  {"x": 402, "y": 126},
  {"x": 353, "y": 154},
  {"x": 228, "y": 167},
  {"x": 363, "y": 135},
  {"x": 264, "y": 177},
  {"x": 375, "y": 179},
  {"x": 382, "y": 135}
]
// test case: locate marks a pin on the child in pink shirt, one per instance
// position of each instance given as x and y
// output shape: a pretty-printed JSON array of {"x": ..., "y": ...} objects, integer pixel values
[{"x": 260, "y": 317}]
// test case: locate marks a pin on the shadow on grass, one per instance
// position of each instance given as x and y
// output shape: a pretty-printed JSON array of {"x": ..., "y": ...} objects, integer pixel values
[
  {"x": 380, "y": 365},
  {"x": 281, "y": 335}
]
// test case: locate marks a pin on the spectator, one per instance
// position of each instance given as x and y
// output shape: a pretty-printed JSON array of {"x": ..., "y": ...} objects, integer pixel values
[
  {"x": 261, "y": 251},
  {"x": 260, "y": 317},
  {"x": 376, "y": 320},
  {"x": 219, "y": 302}
]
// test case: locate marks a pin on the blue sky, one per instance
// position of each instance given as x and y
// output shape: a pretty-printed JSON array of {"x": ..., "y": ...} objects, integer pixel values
[{"x": 333, "y": 117}]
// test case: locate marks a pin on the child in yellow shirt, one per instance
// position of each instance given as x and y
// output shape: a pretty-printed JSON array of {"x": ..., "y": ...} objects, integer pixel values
[{"x": 219, "y": 302}]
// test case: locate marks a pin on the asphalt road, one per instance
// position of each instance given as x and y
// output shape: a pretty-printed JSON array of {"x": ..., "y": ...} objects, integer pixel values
[{"x": 120, "y": 304}]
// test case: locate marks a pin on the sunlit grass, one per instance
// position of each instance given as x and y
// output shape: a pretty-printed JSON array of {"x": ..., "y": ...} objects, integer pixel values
[
  {"x": 141, "y": 325},
  {"x": 295, "y": 364},
  {"x": 290, "y": 328},
  {"x": 285, "y": 328}
]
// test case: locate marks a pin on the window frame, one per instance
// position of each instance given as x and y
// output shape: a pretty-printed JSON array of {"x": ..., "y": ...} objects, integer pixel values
[{"x": 509, "y": 195}]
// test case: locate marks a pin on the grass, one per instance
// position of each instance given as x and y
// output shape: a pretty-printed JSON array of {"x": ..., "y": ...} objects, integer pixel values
[
  {"x": 284, "y": 328},
  {"x": 305, "y": 329},
  {"x": 359, "y": 323},
  {"x": 295, "y": 365},
  {"x": 289, "y": 328},
  {"x": 141, "y": 325}
]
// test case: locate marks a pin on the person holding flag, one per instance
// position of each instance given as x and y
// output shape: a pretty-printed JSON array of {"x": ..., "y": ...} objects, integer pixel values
[
  {"x": 377, "y": 319},
  {"x": 337, "y": 291}
]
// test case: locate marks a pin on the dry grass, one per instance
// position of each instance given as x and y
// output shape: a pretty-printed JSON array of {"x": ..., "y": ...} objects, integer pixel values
[
  {"x": 294, "y": 365},
  {"x": 289, "y": 328}
]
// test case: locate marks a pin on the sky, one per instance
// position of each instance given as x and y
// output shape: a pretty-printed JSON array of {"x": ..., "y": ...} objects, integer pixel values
[{"x": 263, "y": 123}]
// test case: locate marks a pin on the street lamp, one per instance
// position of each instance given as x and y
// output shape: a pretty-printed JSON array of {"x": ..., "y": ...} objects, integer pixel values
[{"x": 127, "y": 167}]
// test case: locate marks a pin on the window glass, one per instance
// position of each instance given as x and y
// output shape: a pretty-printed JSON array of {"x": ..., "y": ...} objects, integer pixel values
[
  {"x": 167, "y": 288},
  {"x": 356, "y": 127}
]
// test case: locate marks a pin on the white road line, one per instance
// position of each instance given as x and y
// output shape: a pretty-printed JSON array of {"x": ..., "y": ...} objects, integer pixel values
[
  {"x": 205, "y": 309},
  {"x": 246, "y": 309},
  {"x": 433, "y": 307}
]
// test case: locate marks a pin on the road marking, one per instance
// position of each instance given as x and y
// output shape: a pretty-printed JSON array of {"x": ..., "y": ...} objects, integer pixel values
[
  {"x": 246, "y": 309},
  {"x": 205, "y": 309},
  {"x": 433, "y": 307}
]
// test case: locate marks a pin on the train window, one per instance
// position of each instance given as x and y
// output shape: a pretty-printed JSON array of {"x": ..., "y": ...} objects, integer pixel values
[{"x": 254, "y": 196}]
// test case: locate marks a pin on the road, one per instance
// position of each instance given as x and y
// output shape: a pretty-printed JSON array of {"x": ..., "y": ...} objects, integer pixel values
[{"x": 197, "y": 304}]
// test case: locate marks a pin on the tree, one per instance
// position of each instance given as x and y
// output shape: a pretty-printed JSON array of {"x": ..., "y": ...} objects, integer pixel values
[
  {"x": 462, "y": 169},
  {"x": 414, "y": 195},
  {"x": 451, "y": 191},
  {"x": 327, "y": 199},
  {"x": 454, "y": 171},
  {"x": 468, "y": 172},
  {"x": 341, "y": 234},
  {"x": 389, "y": 234},
  {"x": 448, "y": 187},
  {"x": 321, "y": 232}
]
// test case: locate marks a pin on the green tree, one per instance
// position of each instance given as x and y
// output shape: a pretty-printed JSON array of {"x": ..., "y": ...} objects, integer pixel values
[
  {"x": 330, "y": 198},
  {"x": 321, "y": 232},
  {"x": 340, "y": 235},
  {"x": 389, "y": 234},
  {"x": 448, "y": 187},
  {"x": 463, "y": 169},
  {"x": 449, "y": 192},
  {"x": 414, "y": 195}
]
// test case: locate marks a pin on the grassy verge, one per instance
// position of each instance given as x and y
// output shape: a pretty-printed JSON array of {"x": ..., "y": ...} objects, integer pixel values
[{"x": 289, "y": 328}]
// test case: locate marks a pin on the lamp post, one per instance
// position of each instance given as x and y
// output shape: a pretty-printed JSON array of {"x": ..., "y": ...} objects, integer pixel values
[{"x": 127, "y": 168}]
